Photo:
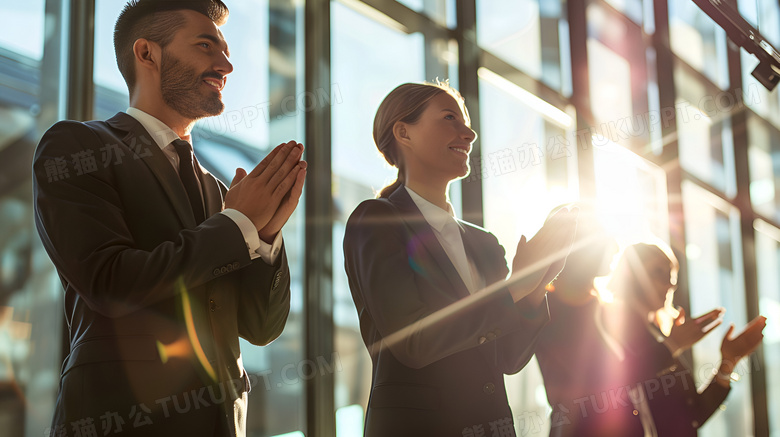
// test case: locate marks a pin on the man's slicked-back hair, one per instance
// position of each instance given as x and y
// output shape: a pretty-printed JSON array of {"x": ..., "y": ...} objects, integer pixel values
[{"x": 157, "y": 21}]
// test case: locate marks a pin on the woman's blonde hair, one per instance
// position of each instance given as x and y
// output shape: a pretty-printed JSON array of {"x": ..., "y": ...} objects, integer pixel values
[{"x": 405, "y": 103}]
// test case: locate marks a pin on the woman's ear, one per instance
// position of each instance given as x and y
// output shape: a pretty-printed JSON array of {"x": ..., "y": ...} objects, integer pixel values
[{"x": 401, "y": 134}]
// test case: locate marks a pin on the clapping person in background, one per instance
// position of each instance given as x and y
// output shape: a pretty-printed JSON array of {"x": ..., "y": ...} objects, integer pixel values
[
  {"x": 648, "y": 335},
  {"x": 574, "y": 359}
]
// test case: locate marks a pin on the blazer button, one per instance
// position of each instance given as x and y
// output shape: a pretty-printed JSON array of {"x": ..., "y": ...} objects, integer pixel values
[
  {"x": 212, "y": 305},
  {"x": 482, "y": 340},
  {"x": 489, "y": 388},
  {"x": 216, "y": 272},
  {"x": 695, "y": 424},
  {"x": 236, "y": 265},
  {"x": 277, "y": 278},
  {"x": 223, "y": 270},
  {"x": 491, "y": 336}
]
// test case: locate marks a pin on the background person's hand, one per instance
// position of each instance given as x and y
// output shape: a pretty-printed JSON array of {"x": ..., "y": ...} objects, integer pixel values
[
  {"x": 734, "y": 349},
  {"x": 685, "y": 333},
  {"x": 259, "y": 194}
]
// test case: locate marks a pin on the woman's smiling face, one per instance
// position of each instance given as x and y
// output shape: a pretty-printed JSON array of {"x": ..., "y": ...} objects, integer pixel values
[{"x": 440, "y": 141}]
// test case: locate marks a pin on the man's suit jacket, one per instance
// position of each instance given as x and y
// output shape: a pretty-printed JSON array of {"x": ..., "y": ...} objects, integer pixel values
[
  {"x": 155, "y": 303},
  {"x": 444, "y": 376}
]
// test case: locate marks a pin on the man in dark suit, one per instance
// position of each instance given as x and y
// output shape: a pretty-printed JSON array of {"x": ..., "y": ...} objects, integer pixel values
[{"x": 163, "y": 266}]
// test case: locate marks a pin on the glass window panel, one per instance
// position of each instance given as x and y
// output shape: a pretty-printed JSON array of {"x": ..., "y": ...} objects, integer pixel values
[
  {"x": 31, "y": 319},
  {"x": 619, "y": 76},
  {"x": 22, "y": 28},
  {"x": 441, "y": 11},
  {"x": 106, "y": 73},
  {"x": 359, "y": 171},
  {"x": 527, "y": 168},
  {"x": 764, "y": 162},
  {"x": 631, "y": 194},
  {"x": 715, "y": 279},
  {"x": 610, "y": 84},
  {"x": 111, "y": 94},
  {"x": 704, "y": 130},
  {"x": 249, "y": 109},
  {"x": 531, "y": 35},
  {"x": 768, "y": 266},
  {"x": 698, "y": 41},
  {"x": 630, "y": 8}
]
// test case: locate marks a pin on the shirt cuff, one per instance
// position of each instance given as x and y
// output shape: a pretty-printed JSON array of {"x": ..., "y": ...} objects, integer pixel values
[
  {"x": 270, "y": 252},
  {"x": 248, "y": 230}
]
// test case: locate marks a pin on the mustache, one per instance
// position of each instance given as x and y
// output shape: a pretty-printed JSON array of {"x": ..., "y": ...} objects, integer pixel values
[{"x": 212, "y": 75}]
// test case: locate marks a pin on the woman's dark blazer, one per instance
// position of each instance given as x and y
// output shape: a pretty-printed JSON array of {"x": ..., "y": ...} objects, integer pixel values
[
  {"x": 676, "y": 404},
  {"x": 440, "y": 375}
]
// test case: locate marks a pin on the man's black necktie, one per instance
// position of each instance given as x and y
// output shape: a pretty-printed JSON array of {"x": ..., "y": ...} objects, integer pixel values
[{"x": 189, "y": 178}]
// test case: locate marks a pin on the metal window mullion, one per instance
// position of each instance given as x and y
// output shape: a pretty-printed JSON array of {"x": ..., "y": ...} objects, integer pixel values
[
  {"x": 674, "y": 174},
  {"x": 468, "y": 64},
  {"x": 578, "y": 43},
  {"x": 80, "y": 59},
  {"x": 318, "y": 290}
]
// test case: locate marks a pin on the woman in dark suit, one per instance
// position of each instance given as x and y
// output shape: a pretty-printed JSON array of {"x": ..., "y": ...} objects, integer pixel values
[
  {"x": 439, "y": 317},
  {"x": 649, "y": 335}
]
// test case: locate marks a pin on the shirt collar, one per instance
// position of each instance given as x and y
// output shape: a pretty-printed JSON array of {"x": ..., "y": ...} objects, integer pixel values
[
  {"x": 159, "y": 131},
  {"x": 435, "y": 216}
]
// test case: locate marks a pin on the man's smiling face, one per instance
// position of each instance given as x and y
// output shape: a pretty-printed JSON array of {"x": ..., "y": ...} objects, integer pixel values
[{"x": 194, "y": 68}]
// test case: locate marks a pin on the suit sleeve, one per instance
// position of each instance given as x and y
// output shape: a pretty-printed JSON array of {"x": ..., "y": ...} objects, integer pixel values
[
  {"x": 264, "y": 295},
  {"x": 390, "y": 292},
  {"x": 83, "y": 227},
  {"x": 709, "y": 400},
  {"x": 516, "y": 349},
  {"x": 264, "y": 301}
]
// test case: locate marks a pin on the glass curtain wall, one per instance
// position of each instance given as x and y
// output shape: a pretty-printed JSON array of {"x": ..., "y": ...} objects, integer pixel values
[
  {"x": 31, "y": 318},
  {"x": 725, "y": 127}
]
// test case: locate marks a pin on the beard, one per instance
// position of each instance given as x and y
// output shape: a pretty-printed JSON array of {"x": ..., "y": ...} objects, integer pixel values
[{"x": 180, "y": 86}]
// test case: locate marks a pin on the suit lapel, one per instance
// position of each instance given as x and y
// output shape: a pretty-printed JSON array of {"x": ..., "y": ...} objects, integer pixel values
[
  {"x": 491, "y": 266},
  {"x": 423, "y": 235},
  {"x": 137, "y": 139}
]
